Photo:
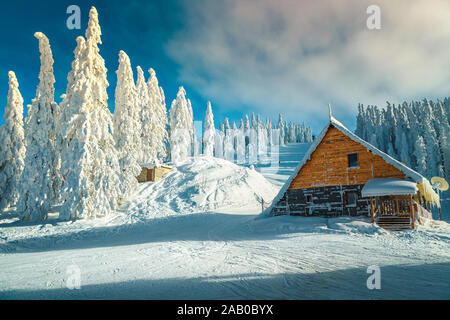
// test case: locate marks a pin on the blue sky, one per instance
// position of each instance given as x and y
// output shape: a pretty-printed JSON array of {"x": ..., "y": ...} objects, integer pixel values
[{"x": 287, "y": 56}]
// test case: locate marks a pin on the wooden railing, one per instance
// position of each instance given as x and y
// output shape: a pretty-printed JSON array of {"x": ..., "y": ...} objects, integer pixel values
[{"x": 393, "y": 206}]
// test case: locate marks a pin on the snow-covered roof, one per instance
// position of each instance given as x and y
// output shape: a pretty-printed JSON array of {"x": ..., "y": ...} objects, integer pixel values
[
  {"x": 409, "y": 173},
  {"x": 388, "y": 187},
  {"x": 151, "y": 165}
]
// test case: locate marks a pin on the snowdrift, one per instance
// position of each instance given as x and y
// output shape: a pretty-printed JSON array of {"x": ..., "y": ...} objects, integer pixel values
[{"x": 202, "y": 184}]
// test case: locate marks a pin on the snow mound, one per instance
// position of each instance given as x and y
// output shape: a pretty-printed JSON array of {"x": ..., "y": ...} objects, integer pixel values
[
  {"x": 202, "y": 184},
  {"x": 358, "y": 225}
]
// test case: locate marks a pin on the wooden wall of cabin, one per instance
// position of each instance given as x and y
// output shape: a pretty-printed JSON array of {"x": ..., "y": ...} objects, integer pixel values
[
  {"x": 328, "y": 165},
  {"x": 160, "y": 172},
  {"x": 142, "y": 177}
]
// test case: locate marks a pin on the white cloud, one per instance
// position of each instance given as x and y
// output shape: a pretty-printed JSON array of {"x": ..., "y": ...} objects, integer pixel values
[{"x": 296, "y": 56}]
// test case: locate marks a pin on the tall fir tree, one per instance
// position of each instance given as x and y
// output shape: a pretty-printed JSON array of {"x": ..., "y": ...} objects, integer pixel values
[
  {"x": 180, "y": 128},
  {"x": 190, "y": 123},
  {"x": 158, "y": 108},
  {"x": 13, "y": 147},
  {"x": 147, "y": 152},
  {"x": 209, "y": 132},
  {"x": 420, "y": 154},
  {"x": 127, "y": 125},
  {"x": 89, "y": 162},
  {"x": 40, "y": 180}
]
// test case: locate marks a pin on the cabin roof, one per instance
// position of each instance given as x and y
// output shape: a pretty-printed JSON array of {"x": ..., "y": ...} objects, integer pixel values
[
  {"x": 151, "y": 165},
  {"x": 409, "y": 173}
]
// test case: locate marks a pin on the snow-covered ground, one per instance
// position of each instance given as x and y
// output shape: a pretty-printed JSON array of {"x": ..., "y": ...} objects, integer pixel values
[{"x": 162, "y": 246}]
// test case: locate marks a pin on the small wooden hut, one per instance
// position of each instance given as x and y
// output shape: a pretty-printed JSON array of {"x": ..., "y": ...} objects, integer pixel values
[
  {"x": 152, "y": 172},
  {"x": 343, "y": 175}
]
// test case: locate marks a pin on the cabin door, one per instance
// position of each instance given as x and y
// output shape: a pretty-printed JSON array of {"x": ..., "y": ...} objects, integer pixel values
[{"x": 350, "y": 203}]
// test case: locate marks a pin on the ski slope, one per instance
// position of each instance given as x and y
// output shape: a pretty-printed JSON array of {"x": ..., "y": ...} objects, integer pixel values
[{"x": 149, "y": 251}]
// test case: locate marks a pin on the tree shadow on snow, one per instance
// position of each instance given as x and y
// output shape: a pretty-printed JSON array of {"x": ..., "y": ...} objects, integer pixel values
[
  {"x": 427, "y": 281},
  {"x": 190, "y": 227}
]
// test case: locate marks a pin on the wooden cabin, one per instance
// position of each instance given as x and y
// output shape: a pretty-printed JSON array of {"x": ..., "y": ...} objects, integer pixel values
[
  {"x": 343, "y": 175},
  {"x": 152, "y": 172}
]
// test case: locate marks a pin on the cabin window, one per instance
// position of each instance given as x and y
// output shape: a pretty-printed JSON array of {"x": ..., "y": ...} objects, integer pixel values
[
  {"x": 351, "y": 198},
  {"x": 308, "y": 198},
  {"x": 352, "y": 160}
]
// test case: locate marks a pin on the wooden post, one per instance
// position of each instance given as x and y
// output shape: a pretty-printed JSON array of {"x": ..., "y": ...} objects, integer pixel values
[
  {"x": 411, "y": 211},
  {"x": 439, "y": 205},
  {"x": 372, "y": 215}
]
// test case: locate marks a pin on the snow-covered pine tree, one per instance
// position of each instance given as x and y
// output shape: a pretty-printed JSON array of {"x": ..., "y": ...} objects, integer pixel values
[
  {"x": 292, "y": 135},
  {"x": 420, "y": 154},
  {"x": 40, "y": 176},
  {"x": 218, "y": 144},
  {"x": 228, "y": 148},
  {"x": 254, "y": 123},
  {"x": 180, "y": 128},
  {"x": 89, "y": 159},
  {"x": 252, "y": 146},
  {"x": 280, "y": 127},
  {"x": 147, "y": 152},
  {"x": 13, "y": 145},
  {"x": 269, "y": 133},
  {"x": 157, "y": 101},
  {"x": 190, "y": 122},
  {"x": 246, "y": 123},
  {"x": 360, "y": 123},
  {"x": 401, "y": 143},
  {"x": 240, "y": 143},
  {"x": 235, "y": 131},
  {"x": 403, "y": 151},
  {"x": 226, "y": 125},
  {"x": 430, "y": 139},
  {"x": 413, "y": 133},
  {"x": 127, "y": 125},
  {"x": 209, "y": 132},
  {"x": 446, "y": 104},
  {"x": 443, "y": 131},
  {"x": 262, "y": 140},
  {"x": 380, "y": 133},
  {"x": 309, "y": 135}
]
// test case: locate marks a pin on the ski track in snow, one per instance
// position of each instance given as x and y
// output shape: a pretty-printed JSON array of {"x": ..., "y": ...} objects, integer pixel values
[{"x": 148, "y": 251}]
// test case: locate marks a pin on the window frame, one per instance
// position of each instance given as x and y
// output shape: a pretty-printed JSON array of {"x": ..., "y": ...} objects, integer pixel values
[
  {"x": 349, "y": 164},
  {"x": 346, "y": 198}
]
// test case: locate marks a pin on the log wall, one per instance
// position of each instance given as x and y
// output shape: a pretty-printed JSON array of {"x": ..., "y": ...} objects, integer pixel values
[{"x": 326, "y": 201}]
